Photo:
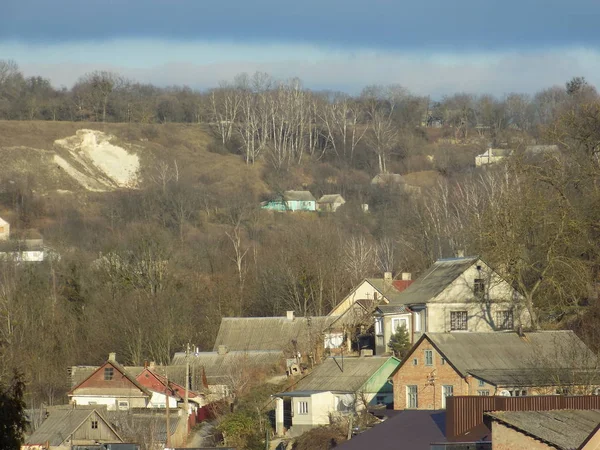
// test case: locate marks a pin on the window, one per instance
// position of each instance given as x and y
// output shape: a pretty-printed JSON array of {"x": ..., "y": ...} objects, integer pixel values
[
  {"x": 504, "y": 320},
  {"x": 123, "y": 405},
  {"x": 381, "y": 399},
  {"x": 412, "y": 397},
  {"x": 443, "y": 361},
  {"x": 479, "y": 286},
  {"x": 398, "y": 322},
  {"x": 379, "y": 326},
  {"x": 109, "y": 373},
  {"x": 415, "y": 361},
  {"x": 303, "y": 408},
  {"x": 417, "y": 316},
  {"x": 481, "y": 383},
  {"x": 447, "y": 391},
  {"x": 94, "y": 424},
  {"x": 334, "y": 340},
  {"x": 458, "y": 320},
  {"x": 518, "y": 393},
  {"x": 429, "y": 357},
  {"x": 483, "y": 393}
]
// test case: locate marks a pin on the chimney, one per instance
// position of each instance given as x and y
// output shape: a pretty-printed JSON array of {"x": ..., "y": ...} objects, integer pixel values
[
  {"x": 387, "y": 277},
  {"x": 460, "y": 253},
  {"x": 112, "y": 357},
  {"x": 406, "y": 276},
  {"x": 222, "y": 350},
  {"x": 290, "y": 315},
  {"x": 152, "y": 365}
]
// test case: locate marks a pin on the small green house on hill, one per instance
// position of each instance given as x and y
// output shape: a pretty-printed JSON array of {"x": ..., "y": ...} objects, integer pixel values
[{"x": 292, "y": 201}]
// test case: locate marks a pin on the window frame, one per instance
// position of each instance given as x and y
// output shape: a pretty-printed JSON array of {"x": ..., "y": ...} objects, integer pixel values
[
  {"x": 109, "y": 373},
  {"x": 302, "y": 407},
  {"x": 509, "y": 317},
  {"x": 464, "y": 322},
  {"x": 428, "y": 357},
  {"x": 94, "y": 424},
  {"x": 445, "y": 389},
  {"x": 478, "y": 287},
  {"x": 402, "y": 320},
  {"x": 483, "y": 392},
  {"x": 412, "y": 396}
]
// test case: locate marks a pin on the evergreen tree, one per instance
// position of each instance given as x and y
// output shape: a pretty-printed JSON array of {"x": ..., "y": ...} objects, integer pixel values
[
  {"x": 400, "y": 342},
  {"x": 12, "y": 413}
]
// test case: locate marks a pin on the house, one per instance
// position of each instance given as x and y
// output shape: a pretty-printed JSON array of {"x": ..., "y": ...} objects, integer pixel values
[
  {"x": 301, "y": 338},
  {"x": 492, "y": 156},
  {"x": 330, "y": 203},
  {"x": 150, "y": 427},
  {"x": 337, "y": 386},
  {"x": 163, "y": 389},
  {"x": 562, "y": 429},
  {"x": 292, "y": 201},
  {"x": 217, "y": 372},
  {"x": 455, "y": 294},
  {"x": 4, "y": 230},
  {"x": 68, "y": 427},
  {"x": 110, "y": 385},
  {"x": 493, "y": 364}
]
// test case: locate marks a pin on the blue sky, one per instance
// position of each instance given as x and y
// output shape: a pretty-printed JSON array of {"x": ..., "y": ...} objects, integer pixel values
[{"x": 431, "y": 47}]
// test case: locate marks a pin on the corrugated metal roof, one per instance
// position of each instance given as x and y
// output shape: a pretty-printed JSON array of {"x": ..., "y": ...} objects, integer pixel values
[
  {"x": 300, "y": 196},
  {"x": 437, "y": 278},
  {"x": 566, "y": 429},
  {"x": 393, "y": 309},
  {"x": 537, "y": 377},
  {"x": 60, "y": 424},
  {"x": 153, "y": 423},
  {"x": 501, "y": 351},
  {"x": 344, "y": 375},
  {"x": 272, "y": 333}
]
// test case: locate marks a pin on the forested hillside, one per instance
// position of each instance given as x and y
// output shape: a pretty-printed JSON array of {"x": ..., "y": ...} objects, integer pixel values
[{"x": 147, "y": 266}]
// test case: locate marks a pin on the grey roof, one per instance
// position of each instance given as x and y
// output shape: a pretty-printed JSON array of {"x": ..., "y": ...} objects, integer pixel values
[
  {"x": 473, "y": 352},
  {"x": 300, "y": 196},
  {"x": 152, "y": 422},
  {"x": 563, "y": 429},
  {"x": 386, "y": 289},
  {"x": 536, "y": 377},
  {"x": 437, "y": 278},
  {"x": 217, "y": 368},
  {"x": 393, "y": 309},
  {"x": 62, "y": 423},
  {"x": 388, "y": 178},
  {"x": 332, "y": 198},
  {"x": 343, "y": 375},
  {"x": 272, "y": 333}
]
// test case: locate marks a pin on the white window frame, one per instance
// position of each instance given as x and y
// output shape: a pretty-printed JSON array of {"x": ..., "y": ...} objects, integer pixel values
[
  {"x": 302, "y": 407},
  {"x": 396, "y": 323},
  {"x": 123, "y": 405},
  {"x": 509, "y": 317},
  {"x": 417, "y": 319},
  {"x": 379, "y": 326},
  {"x": 447, "y": 391},
  {"x": 430, "y": 353},
  {"x": 466, "y": 321}
]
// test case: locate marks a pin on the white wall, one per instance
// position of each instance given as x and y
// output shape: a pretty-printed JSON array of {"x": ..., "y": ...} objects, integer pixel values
[
  {"x": 110, "y": 402},
  {"x": 363, "y": 291},
  {"x": 158, "y": 400},
  {"x": 480, "y": 316},
  {"x": 388, "y": 329}
]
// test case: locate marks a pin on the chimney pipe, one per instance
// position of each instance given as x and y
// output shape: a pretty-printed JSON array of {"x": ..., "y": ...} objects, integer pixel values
[
  {"x": 387, "y": 277},
  {"x": 152, "y": 365},
  {"x": 460, "y": 253},
  {"x": 112, "y": 357},
  {"x": 290, "y": 315},
  {"x": 406, "y": 276}
]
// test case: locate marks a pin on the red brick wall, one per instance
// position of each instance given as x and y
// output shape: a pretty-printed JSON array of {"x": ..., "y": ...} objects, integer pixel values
[{"x": 428, "y": 379}]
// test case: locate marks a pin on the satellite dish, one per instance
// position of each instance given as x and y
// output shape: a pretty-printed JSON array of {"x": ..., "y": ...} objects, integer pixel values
[{"x": 504, "y": 393}]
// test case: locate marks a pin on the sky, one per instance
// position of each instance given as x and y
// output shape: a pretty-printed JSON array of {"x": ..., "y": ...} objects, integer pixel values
[{"x": 431, "y": 47}]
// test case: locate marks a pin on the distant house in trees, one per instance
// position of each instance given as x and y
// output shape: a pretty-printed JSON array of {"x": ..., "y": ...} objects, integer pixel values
[
  {"x": 4, "y": 230},
  {"x": 67, "y": 427},
  {"x": 336, "y": 387},
  {"x": 110, "y": 385},
  {"x": 492, "y": 156},
  {"x": 330, "y": 203},
  {"x": 453, "y": 295},
  {"x": 493, "y": 364},
  {"x": 292, "y": 201}
]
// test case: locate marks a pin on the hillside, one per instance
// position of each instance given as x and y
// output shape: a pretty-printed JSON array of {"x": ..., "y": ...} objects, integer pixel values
[{"x": 80, "y": 157}]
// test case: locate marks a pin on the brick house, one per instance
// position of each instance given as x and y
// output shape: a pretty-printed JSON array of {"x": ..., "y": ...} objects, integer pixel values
[
  {"x": 110, "y": 385},
  {"x": 454, "y": 294},
  {"x": 487, "y": 364}
]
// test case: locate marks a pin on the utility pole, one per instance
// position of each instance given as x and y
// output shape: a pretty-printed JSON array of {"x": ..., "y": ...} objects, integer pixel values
[
  {"x": 187, "y": 389},
  {"x": 168, "y": 424}
]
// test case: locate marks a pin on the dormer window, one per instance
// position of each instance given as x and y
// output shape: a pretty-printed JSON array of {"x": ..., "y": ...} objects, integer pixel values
[
  {"x": 479, "y": 286},
  {"x": 109, "y": 373}
]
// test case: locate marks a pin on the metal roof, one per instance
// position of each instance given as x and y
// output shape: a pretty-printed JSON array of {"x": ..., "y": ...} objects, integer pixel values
[
  {"x": 272, "y": 333},
  {"x": 385, "y": 288},
  {"x": 565, "y": 429},
  {"x": 345, "y": 374},
  {"x": 437, "y": 278},
  {"x": 393, "y": 309},
  {"x": 62, "y": 423},
  {"x": 473, "y": 352},
  {"x": 154, "y": 423},
  {"x": 537, "y": 377},
  {"x": 300, "y": 196}
]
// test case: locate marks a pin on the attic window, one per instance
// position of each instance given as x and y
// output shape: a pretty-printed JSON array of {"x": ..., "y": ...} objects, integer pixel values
[
  {"x": 94, "y": 424},
  {"x": 479, "y": 286},
  {"x": 109, "y": 373}
]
